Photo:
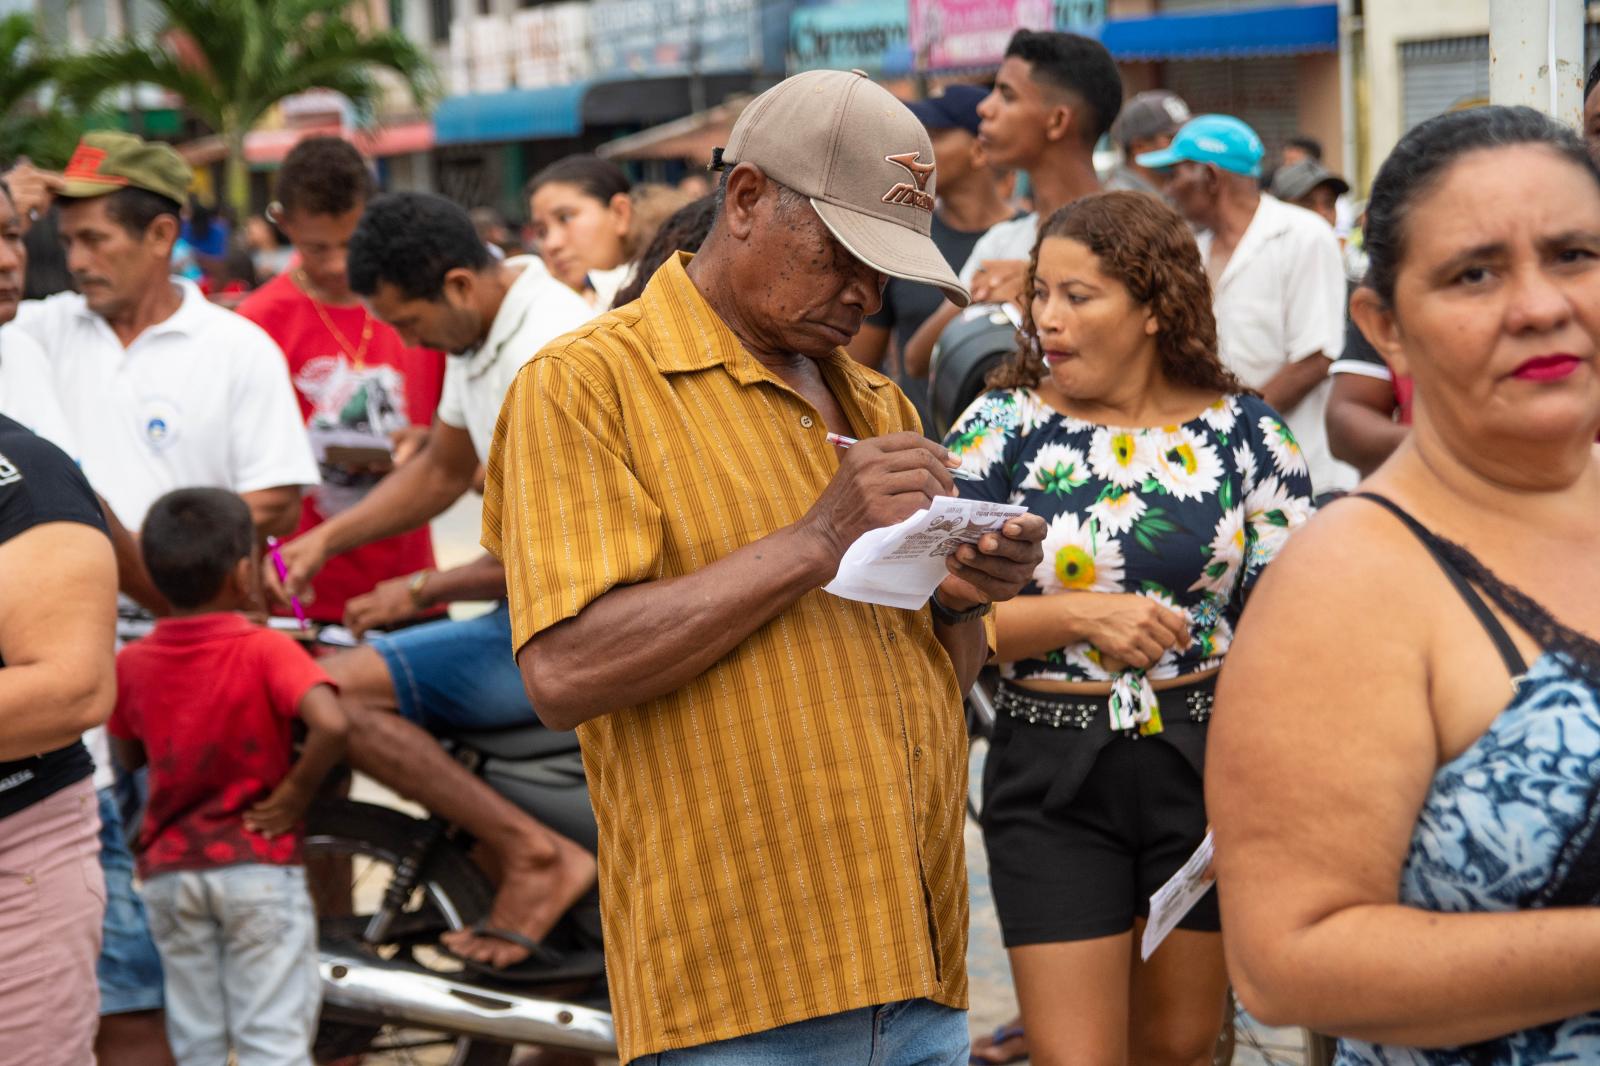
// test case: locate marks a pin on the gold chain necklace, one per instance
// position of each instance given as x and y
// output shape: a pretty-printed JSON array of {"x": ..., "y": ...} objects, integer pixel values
[{"x": 358, "y": 355}]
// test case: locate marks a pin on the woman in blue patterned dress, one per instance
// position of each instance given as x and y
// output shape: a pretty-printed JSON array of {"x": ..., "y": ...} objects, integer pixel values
[
  {"x": 1405, "y": 778},
  {"x": 1167, "y": 488}
]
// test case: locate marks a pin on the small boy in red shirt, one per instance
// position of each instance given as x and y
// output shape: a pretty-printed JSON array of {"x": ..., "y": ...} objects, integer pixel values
[{"x": 208, "y": 701}]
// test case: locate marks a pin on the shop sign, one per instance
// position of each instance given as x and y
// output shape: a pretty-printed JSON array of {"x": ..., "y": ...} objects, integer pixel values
[
  {"x": 529, "y": 49},
  {"x": 550, "y": 45},
  {"x": 672, "y": 37},
  {"x": 872, "y": 35},
  {"x": 973, "y": 33}
]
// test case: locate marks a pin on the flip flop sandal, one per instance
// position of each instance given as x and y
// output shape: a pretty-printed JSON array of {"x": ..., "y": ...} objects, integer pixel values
[
  {"x": 1000, "y": 1036},
  {"x": 542, "y": 966}
]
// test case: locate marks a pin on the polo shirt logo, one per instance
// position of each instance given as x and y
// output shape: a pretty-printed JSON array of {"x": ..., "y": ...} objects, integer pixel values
[
  {"x": 85, "y": 166},
  {"x": 9, "y": 474},
  {"x": 905, "y": 192},
  {"x": 159, "y": 422}
]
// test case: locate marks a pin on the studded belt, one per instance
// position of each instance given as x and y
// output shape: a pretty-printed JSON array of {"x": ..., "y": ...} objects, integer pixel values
[{"x": 1069, "y": 710}]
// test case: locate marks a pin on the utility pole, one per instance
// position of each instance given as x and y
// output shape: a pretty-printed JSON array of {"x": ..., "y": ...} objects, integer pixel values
[{"x": 1536, "y": 56}]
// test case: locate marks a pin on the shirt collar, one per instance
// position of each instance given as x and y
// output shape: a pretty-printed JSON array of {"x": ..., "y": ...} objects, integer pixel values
[
  {"x": 518, "y": 303},
  {"x": 691, "y": 336},
  {"x": 1267, "y": 223},
  {"x": 195, "y": 627},
  {"x": 182, "y": 321}
]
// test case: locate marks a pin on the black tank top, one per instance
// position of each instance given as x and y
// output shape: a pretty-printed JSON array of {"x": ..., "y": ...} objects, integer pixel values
[
  {"x": 1468, "y": 575},
  {"x": 39, "y": 483}
]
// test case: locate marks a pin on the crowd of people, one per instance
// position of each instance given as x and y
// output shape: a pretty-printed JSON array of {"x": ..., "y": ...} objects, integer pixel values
[{"x": 681, "y": 411}]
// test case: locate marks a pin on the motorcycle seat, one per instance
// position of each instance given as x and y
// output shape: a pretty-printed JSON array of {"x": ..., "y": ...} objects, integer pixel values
[{"x": 516, "y": 743}]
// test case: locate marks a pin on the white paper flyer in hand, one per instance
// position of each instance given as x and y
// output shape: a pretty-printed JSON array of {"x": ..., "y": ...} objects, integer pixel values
[
  {"x": 1176, "y": 898},
  {"x": 901, "y": 565}
]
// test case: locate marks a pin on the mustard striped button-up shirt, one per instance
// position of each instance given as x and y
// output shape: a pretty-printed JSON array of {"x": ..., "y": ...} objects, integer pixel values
[{"x": 781, "y": 839}]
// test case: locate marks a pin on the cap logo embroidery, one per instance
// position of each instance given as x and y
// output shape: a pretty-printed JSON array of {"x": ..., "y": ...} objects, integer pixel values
[
  {"x": 906, "y": 192},
  {"x": 85, "y": 166}
]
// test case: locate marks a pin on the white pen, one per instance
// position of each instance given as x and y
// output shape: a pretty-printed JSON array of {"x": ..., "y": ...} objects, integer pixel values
[{"x": 839, "y": 440}]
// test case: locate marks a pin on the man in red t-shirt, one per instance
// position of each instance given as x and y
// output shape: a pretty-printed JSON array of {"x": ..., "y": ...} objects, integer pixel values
[{"x": 367, "y": 398}]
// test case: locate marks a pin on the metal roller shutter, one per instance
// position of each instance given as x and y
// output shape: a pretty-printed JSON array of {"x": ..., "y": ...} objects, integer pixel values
[
  {"x": 1438, "y": 76},
  {"x": 1261, "y": 92}
]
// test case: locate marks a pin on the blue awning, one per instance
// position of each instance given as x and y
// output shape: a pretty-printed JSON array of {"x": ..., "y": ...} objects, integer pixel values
[
  {"x": 1262, "y": 31},
  {"x": 513, "y": 115}
]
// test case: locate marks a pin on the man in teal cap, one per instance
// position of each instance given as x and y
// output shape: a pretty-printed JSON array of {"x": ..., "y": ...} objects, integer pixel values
[{"x": 1277, "y": 283}]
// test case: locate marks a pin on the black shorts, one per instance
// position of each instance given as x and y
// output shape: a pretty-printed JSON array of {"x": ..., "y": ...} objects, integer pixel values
[{"x": 1082, "y": 826}]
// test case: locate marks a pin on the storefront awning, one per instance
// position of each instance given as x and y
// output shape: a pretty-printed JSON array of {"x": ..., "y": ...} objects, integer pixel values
[
  {"x": 267, "y": 148},
  {"x": 692, "y": 137},
  {"x": 1262, "y": 31},
  {"x": 513, "y": 115}
]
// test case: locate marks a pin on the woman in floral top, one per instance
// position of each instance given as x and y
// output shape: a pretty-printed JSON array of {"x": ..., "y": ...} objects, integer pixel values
[{"x": 1167, "y": 488}]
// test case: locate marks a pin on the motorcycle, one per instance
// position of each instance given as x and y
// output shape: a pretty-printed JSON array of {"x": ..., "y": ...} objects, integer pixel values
[
  {"x": 386, "y": 985},
  {"x": 387, "y": 885}
]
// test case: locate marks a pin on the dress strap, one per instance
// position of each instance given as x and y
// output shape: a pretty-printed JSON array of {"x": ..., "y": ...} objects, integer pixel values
[{"x": 1448, "y": 562}]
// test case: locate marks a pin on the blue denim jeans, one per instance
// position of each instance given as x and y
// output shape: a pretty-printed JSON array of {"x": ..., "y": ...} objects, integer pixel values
[
  {"x": 129, "y": 970},
  {"x": 239, "y": 944},
  {"x": 450, "y": 675},
  {"x": 912, "y": 1032}
]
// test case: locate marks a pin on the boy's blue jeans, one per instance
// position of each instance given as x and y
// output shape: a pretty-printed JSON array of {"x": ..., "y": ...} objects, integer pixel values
[{"x": 239, "y": 947}]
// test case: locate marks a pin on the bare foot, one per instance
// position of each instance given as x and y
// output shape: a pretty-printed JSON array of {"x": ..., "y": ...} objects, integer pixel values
[
  {"x": 535, "y": 891},
  {"x": 1012, "y": 1045}
]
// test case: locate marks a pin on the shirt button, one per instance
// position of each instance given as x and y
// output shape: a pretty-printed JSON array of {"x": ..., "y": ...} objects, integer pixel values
[
  {"x": 894, "y": 637},
  {"x": 916, "y": 753},
  {"x": 805, "y": 421}
]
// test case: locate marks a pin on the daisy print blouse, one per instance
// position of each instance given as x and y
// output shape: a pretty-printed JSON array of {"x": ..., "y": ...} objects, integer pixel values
[{"x": 1187, "y": 515}]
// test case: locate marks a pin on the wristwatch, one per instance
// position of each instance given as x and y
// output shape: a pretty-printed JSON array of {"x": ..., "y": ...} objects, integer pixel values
[
  {"x": 418, "y": 580},
  {"x": 945, "y": 616}
]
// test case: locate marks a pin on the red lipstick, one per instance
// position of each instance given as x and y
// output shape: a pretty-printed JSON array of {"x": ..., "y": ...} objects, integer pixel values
[{"x": 1547, "y": 367}]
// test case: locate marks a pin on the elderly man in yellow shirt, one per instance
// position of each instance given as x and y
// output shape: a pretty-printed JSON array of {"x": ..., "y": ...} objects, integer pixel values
[{"x": 778, "y": 774}]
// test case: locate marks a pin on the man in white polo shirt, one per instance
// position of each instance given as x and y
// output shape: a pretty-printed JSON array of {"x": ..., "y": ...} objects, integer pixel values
[
  {"x": 1277, "y": 278},
  {"x": 159, "y": 389},
  {"x": 163, "y": 389}
]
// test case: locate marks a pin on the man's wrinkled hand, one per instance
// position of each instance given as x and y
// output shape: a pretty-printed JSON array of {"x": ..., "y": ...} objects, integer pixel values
[
  {"x": 997, "y": 567},
  {"x": 881, "y": 481},
  {"x": 280, "y": 812},
  {"x": 390, "y": 602},
  {"x": 32, "y": 189}
]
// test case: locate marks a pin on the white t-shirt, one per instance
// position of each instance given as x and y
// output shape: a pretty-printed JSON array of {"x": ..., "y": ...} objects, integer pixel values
[
  {"x": 27, "y": 394},
  {"x": 201, "y": 399},
  {"x": 536, "y": 310},
  {"x": 1012, "y": 239},
  {"x": 1281, "y": 298}
]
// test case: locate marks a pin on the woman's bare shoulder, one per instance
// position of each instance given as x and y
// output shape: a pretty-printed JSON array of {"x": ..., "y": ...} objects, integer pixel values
[{"x": 1352, "y": 573}]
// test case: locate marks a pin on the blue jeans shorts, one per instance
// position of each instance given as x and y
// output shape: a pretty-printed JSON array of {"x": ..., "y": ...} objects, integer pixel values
[
  {"x": 912, "y": 1032},
  {"x": 451, "y": 675},
  {"x": 129, "y": 969}
]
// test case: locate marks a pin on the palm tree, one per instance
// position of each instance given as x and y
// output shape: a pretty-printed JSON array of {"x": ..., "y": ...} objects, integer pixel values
[
  {"x": 29, "y": 126},
  {"x": 232, "y": 60}
]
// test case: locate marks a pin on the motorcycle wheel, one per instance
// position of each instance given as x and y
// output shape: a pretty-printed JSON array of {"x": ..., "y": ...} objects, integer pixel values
[{"x": 453, "y": 893}]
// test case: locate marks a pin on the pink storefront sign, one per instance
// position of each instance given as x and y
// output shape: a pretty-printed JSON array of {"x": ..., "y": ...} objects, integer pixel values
[{"x": 970, "y": 33}]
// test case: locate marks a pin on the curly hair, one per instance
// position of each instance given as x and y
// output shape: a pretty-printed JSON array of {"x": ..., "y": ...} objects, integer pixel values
[{"x": 1144, "y": 245}]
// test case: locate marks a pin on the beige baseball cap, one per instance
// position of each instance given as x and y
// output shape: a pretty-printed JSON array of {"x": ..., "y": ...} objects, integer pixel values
[{"x": 861, "y": 157}]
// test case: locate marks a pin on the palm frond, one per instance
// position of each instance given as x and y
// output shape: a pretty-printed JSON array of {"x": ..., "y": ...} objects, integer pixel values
[
  {"x": 87, "y": 77},
  {"x": 24, "y": 64}
]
